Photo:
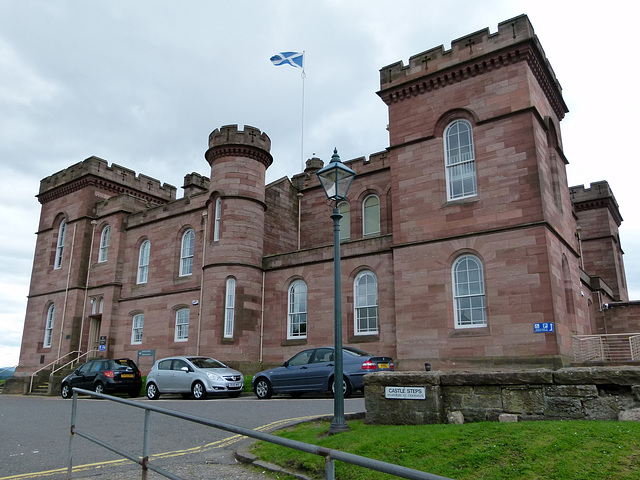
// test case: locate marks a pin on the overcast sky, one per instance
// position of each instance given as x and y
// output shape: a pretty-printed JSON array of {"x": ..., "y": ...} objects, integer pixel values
[{"x": 142, "y": 84}]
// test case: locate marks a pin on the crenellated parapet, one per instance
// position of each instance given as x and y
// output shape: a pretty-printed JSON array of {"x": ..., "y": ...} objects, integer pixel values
[
  {"x": 598, "y": 195},
  {"x": 228, "y": 141},
  {"x": 470, "y": 56},
  {"x": 114, "y": 179}
]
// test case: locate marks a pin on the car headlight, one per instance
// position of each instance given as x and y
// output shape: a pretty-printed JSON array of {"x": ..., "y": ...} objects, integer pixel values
[{"x": 214, "y": 377}]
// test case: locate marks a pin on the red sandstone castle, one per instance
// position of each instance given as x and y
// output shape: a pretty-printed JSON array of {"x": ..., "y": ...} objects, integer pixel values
[{"x": 461, "y": 243}]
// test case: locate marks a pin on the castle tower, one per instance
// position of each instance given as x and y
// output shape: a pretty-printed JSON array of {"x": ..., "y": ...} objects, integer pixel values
[
  {"x": 478, "y": 175},
  {"x": 232, "y": 277}
]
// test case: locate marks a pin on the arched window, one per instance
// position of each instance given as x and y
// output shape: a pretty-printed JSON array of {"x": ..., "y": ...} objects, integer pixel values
[
  {"x": 143, "y": 262},
  {"x": 103, "y": 252},
  {"x": 60, "y": 244},
  {"x": 48, "y": 329},
  {"x": 459, "y": 160},
  {"x": 186, "y": 253},
  {"x": 468, "y": 292},
  {"x": 136, "y": 329},
  {"x": 345, "y": 221},
  {"x": 365, "y": 289},
  {"x": 230, "y": 308},
  {"x": 297, "y": 317},
  {"x": 216, "y": 224},
  {"x": 371, "y": 215},
  {"x": 182, "y": 325}
]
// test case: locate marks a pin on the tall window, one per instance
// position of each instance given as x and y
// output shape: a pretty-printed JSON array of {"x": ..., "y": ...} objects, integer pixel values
[
  {"x": 103, "y": 253},
  {"x": 216, "y": 225},
  {"x": 143, "y": 262},
  {"x": 182, "y": 325},
  {"x": 371, "y": 215},
  {"x": 136, "y": 329},
  {"x": 345, "y": 221},
  {"x": 60, "y": 244},
  {"x": 459, "y": 160},
  {"x": 468, "y": 292},
  {"x": 97, "y": 304},
  {"x": 230, "y": 308},
  {"x": 366, "y": 303},
  {"x": 297, "y": 319},
  {"x": 186, "y": 253},
  {"x": 48, "y": 329}
]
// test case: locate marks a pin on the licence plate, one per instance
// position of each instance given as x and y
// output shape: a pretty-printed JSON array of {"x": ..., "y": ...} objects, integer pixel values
[
  {"x": 235, "y": 385},
  {"x": 383, "y": 365},
  {"x": 126, "y": 375}
]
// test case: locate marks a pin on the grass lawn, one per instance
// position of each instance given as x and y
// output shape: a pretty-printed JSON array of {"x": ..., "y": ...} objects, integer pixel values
[{"x": 567, "y": 450}]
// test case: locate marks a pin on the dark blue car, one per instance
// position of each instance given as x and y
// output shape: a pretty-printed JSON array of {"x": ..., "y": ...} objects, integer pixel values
[{"x": 312, "y": 371}]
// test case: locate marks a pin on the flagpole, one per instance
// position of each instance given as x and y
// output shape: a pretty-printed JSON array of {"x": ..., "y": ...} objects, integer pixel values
[{"x": 303, "y": 75}]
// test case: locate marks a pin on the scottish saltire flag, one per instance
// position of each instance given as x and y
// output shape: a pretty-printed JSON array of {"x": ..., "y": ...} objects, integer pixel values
[{"x": 294, "y": 59}]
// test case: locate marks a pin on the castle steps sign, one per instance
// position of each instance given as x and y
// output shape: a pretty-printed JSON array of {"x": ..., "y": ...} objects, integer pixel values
[{"x": 405, "y": 393}]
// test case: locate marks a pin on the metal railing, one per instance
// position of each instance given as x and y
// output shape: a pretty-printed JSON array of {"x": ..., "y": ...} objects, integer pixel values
[
  {"x": 329, "y": 455},
  {"x": 614, "y": 348},
  {"x": 55, "y": 362}
]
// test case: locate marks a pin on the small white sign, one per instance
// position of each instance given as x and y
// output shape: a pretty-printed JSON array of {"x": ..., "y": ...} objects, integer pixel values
[{"x": 405, "y": 393}]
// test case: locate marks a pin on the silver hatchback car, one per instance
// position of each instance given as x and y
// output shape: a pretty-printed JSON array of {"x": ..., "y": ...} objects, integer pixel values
[{"x": 197, "y": 376}]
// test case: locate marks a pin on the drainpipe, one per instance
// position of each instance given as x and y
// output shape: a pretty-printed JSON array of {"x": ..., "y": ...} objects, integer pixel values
[
  {"x": 262, "y": 319},
  {"x": 299, "y": 217},
  {"x": 66, "y": 290},
  {"x": 86, "y": 287},
  {"x": 204, "y": 245}
]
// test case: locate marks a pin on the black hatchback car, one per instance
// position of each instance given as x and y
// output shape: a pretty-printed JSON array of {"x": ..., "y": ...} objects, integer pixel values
[{"x": 105, "y": 376}]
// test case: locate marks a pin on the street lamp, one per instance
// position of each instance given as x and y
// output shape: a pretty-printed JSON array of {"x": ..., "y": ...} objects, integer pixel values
[{"x": 336, "y": 179}]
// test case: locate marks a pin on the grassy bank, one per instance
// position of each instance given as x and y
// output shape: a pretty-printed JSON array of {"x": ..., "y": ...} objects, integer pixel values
[{"x": 570, "y": 450}]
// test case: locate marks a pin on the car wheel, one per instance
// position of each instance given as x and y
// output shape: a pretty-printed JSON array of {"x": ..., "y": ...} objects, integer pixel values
[
  {"x": 198, "y": 391},
  {"x": 65, "y": 390},
  {"x": 346, "y": 388},
  {"x": 152, "y": 391},
  {"x": 262, "y": 388},
  {"x": 99, "y": 388}
]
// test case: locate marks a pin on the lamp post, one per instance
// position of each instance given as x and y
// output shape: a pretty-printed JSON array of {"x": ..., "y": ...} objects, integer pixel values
[{"x": 336, "y": 179}]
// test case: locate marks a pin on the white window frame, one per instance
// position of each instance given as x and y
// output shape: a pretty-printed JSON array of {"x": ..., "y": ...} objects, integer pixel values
[
  {"x": 217, "y": 219},
  {"x": 137, "y": 325},
  {"x": 229, "y": 308},
  {"x": 60, "y": 245},
  {"x": 143, "y": 262},
  {"x": 48, "y": 329},
  {"x": 345, "y": 221},
  {"x": 105, "y": 239},
  {"x": 365, "y": 302},
  {"x": 371, "y": 214},
  {"x": 460, "y": 161},
  {"x": 186, "y": 252},
  {"x": 297, "y": 326},
  {"x": 469, "y": 303},
  {"x": 182, "y": 325}
]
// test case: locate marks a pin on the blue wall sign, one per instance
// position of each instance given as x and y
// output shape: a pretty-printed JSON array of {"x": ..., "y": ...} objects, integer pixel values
[{"x": 546, "y": 327}]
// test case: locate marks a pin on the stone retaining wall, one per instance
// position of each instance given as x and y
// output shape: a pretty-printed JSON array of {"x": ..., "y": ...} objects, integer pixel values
[{"x": 591, "y": 393}]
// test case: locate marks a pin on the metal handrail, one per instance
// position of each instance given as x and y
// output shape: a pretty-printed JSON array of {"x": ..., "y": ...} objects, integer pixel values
[
  {"x": 329, "y": 455},
  {"x": 7, "y": 368},
  {"x": 77, "y": 359},
  {"x": 53, "y": 363}
]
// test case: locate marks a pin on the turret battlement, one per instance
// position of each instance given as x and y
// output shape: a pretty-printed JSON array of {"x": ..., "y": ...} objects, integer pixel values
[
  {"x": 598, "y": 195},
  {"x": 115, "y": 178},
  {"x": 469, "y": 56},
  {"x": 250, "y": 142},
  {"x": 229, "y": 134}
]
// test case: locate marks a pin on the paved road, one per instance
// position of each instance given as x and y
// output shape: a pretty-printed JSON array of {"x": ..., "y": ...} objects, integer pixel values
[{"x": 34, "y": 434}]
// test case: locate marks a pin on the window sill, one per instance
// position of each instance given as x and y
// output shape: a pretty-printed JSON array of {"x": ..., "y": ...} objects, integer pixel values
[
  {"x": 461, "y": 202},
  {"x": 228, "y": 341},
  {"x": 364, "y": 338},
  {"x": 294, "y": 342},
  {"x": 470, "y": 332}
]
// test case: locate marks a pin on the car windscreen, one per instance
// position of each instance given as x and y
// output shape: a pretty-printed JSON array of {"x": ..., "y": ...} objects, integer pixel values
[
  {"x": 202, "y": 362},
  {"x": 124, "y": 363}
]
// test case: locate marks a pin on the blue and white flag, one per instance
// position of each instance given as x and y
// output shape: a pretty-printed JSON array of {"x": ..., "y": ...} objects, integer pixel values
[{"x": 294, "y": 59}]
